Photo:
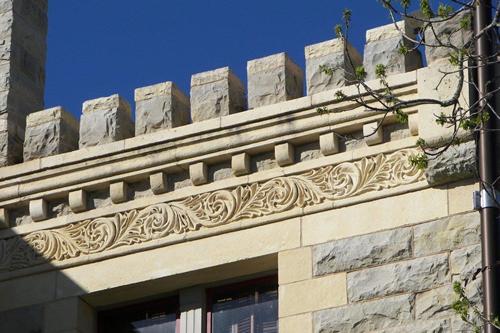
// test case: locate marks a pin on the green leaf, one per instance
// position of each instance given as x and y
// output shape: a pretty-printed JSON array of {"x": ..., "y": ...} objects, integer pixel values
[
  {"x": 403, "y": 49},
  {"x": 338, "y": 31},
  {"x": 444, "y": 10},
  {"x": 346, "y": 16},
  {"x": 466, "y": 22},
  {"x": 339, "y": 95},
  {"x": 360, "y": 73},
  {"x": 401, "y": 117},
  {"x": 322, "y": 110},
  {"x": 419, "y": 161},
  {"x": 380, "y": 71},
  {"x": 426, "y": 9}
]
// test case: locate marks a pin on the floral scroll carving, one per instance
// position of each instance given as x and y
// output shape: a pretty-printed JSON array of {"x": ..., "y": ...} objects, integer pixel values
[{"x": 210, "y": 210}]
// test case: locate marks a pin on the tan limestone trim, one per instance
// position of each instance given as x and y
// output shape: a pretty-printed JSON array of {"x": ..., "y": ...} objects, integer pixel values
[{"x": 208, "y": 210}]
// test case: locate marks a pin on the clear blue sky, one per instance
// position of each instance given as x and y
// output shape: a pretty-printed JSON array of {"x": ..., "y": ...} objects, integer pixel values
[{"x": 100, "y": 47}]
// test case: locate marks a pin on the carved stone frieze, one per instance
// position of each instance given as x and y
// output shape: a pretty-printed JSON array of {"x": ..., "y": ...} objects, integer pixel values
[{"x": 210, "y": 210}]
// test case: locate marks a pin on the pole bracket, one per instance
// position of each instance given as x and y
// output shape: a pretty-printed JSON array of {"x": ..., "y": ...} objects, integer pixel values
[{"x": 486, "y": 199}]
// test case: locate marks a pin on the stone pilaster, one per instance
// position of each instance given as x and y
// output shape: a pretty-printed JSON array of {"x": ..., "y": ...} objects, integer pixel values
[{"x": 23, "y": 31}]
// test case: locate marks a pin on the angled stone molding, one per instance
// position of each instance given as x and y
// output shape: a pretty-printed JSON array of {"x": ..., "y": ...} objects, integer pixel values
[{"x": 208, "y": 210}]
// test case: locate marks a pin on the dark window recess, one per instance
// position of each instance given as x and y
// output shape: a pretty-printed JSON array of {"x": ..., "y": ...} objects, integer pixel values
[
  {"x": 248, "y": 307},
  {"x": 153, "y": 317}
]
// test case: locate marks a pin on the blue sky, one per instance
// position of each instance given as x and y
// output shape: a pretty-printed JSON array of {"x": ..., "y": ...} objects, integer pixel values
[{"x": 100, "y": 47}]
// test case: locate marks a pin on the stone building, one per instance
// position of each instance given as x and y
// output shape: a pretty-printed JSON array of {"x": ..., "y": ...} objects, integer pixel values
[{"x": 226, "y": 210}]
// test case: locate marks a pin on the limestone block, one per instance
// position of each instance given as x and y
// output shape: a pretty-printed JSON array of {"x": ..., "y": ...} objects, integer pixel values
[
  {"x": 312, "y": 295},
  {"x": 413, "y": 123},
  {"x": 240, "y": 163},
  {"x": 435, "y": 303},
  {"x": 362, "y": 251},
  {"x": 407, "y": 276},
  {"x": 382, "y": 47},
  {"x": 215, "y": 94},
  {"x": 105, "y": 120},
  {"x": 78, "y": 201},
  {"x": 158, "y": 182},
  {"x": 424, "y": 326},
  {"x": 118, "y": 192},
  {"x": 447, "y": 32},
  {"x": 446, "y": 234},
  {"x": 334, "y": 55},
  {"x": 4, "y": 218},
  {"x": 284, "y": 154},
  {"x": 456, "y": 163},
  {"x": 69, "y": 314},
  {"x": 26, "y": 319},
  {"x": 366, "y": 316},
  {"x": 273, "y": 79},
  {"x": 50, "y": 132},
  {"x": 432, "y": 84},
  {"x": 38, "y": 209},
  {"x": 296, "y": 324},
  {"x": 373, "y": 133},
  {"x": 466, "y": 261},
  {"x": 198, "y": 173},
  {"x": 160, "y": 106},
  {"x": 294, "y": 265},
  {"x": 329, "y": 144}
]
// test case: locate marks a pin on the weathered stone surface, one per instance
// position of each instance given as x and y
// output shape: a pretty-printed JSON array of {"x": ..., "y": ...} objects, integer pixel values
[
  {"x": 23, "y": 320},
  {"x": 447, "y": 32},
  {"x": 23, "y": 30},
  {"x": 382, "y": 47},
  {"x": 335, "y": 56},
  {"x": 408, "y": 276},
  {"x": 422, "y": 326},
  {"x": 445, "y": 234},
  {"x": 362, "y": 251},
  {"x": 50, "y": 132},
  {"x": 456, "y": 163},
  {"x": 365, "y": 317},
  {"x": 466, "y": 261},
  {"x": 273, "y": 79},
  {"x": 160, "y": 106},
  {"x": 435, "y": 303},
  {"x": 105, "y": 120},
  {"x": 216, "y": 94}
]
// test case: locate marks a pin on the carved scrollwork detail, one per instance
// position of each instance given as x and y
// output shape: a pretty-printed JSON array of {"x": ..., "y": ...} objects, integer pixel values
[{"x": 209, "y": 210}]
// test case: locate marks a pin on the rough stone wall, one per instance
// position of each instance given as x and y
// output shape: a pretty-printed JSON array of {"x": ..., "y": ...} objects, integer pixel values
[
  {"x": 397, "y": 280},
  {"x": 23, "y": 30}
]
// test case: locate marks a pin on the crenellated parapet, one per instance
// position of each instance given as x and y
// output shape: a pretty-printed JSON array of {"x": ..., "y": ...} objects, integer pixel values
[{"x": 218, "y": 157}]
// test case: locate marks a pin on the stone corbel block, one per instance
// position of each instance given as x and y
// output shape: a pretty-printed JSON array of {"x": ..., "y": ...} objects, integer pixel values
[
  {"x": 215, "y": 94},
  {"x": 198, "y": 173},
  {"x": 50, "y": 132},
  {"x": 105, "y": 120},
  {"x": 158, "y": 182},
  {"x": 382, "y": 47},
  {"x": 240, "y": 164},
  {"x": 273, "y": 79},
  {"x": 334, "y": 55},
  {"x": 284, "y": 154},
  {"x": 329, "y": 144},
  {"x": 38, "y": 209},
  {"x": 118, "y": 192},
  {"x": 373, "y": 133},
  {"x": 413, "y": 124},
  {"x": 160, "y": 106},
  {"x": 4, "y": 218},
  {"x": 78, "y": 201}
]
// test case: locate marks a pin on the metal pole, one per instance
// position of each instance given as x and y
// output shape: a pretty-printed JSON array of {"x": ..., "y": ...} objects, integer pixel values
[{"x": 487, "y": 168}]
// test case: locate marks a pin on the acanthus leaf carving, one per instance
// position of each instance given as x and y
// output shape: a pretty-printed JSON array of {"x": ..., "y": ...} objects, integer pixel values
[{"x": 208, "y": 210}]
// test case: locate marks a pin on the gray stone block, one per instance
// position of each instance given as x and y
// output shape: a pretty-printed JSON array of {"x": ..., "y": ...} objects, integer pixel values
[
  {"x": 446, "y": 234},
  {"x": 435, "y": 303},
  {"x": 407, "y": 276},
  {"x": 105, "y": 120},
  {"x": 160, "y": 106},
  {"x": 423, "y": 326},
  {"x": 448, "y": 32},
  {"x": 331, "y": 53},
  {"x": 382, "y": 47},
  {"x": 362, "y": 251},
  {"x": 456, "y": 163},
  {"x": 50, "y": 132},
  {"x": 366, "y": 316},
  {"x": 466, "y": 261},
  {"x": 216, "y": 94},
  {"x": 273, "y": 79}
]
